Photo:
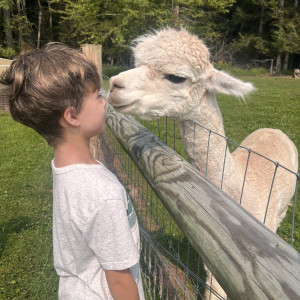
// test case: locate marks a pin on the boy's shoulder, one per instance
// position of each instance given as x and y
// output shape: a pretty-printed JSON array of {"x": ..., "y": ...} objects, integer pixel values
[
  {"x": 83, "y": 188},
  {"x": 86, "y": 179}
]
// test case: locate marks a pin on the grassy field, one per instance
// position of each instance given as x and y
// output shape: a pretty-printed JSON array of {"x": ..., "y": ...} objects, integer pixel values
[{"x": 26, "y": 266}]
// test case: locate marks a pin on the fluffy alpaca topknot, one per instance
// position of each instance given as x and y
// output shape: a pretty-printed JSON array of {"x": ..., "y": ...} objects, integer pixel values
[{"x": 169, "y": 48}]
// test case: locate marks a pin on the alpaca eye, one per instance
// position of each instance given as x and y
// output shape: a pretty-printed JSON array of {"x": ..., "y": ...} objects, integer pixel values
[{"x": 175, "y": 79}]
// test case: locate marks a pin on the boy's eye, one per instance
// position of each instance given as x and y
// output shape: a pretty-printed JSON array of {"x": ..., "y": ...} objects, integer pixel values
[{"x": 175, "y": 78}]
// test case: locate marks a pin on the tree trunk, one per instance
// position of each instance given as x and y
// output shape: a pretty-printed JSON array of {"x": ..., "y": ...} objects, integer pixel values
[
  {"x": 291, "y": 61},
  {"x": 7, "y": 28},
  {"x": 286, "y": 61},
  {"x": 261, "y": 18},
  {"x": 176, "y": 13},
  {"x": 278, "y": 60},
  {"x": 25, "y": 23},
  {"x": 281, "y": 4},
  {"x": 24, "y": 8},
  {"x": 296, "y": 2},
  {"x": 20, "y": 34},
  {"x": 278, "y": 63},
  {"x": 271, "y": 67},
  {"x": 39, "y": 26},
  {"x": 50, "y": 18}
]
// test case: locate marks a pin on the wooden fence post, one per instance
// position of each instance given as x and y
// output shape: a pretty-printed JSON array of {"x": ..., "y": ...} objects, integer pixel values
[{"x": 94, "y": 53}]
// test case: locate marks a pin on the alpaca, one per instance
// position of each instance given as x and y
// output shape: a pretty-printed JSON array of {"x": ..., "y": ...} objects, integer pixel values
[{"x": 174, "y": 78}]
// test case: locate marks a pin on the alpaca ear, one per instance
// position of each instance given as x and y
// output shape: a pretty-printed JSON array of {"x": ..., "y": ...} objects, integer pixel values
[{"x": 223, "y": 83}]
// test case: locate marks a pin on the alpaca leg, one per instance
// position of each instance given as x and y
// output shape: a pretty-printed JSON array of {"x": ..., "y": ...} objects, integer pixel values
[{"x": 213, "y": 287}]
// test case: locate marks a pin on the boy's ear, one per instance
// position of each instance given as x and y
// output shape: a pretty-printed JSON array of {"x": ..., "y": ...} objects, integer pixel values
[{"x": 70, "y": 117}]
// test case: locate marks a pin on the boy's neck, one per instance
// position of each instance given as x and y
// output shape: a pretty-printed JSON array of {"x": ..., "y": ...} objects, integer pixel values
[{"x": 68, "y": 153}]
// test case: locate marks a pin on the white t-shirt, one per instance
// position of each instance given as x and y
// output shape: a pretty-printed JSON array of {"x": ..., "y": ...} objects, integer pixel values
[{"x": 95, "y": 228}]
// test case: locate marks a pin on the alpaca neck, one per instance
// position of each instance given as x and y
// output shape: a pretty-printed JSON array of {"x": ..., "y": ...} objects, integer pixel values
[{"x": 196, "y": 138}]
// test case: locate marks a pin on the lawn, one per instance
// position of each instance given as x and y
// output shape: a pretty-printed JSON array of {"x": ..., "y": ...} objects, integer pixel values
[{"x": 26, "y": 266}]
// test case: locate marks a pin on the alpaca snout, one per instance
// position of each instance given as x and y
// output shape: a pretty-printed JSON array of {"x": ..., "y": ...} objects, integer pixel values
[{"x": 115, "y": 83}]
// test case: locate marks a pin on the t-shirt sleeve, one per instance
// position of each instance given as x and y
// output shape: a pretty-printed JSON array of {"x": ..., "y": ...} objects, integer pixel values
[{"x": 107, "y": 233}]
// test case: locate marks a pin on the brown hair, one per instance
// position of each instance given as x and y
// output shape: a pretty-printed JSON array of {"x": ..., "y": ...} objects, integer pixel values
[{"x": 43, "y": 83}]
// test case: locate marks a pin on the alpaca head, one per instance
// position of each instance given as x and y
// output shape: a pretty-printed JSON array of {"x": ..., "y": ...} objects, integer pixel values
[{"x": 172, "y": 75}]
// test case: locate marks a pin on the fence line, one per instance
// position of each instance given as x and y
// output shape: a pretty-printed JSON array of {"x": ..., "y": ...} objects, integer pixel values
[
  {"x": 157, "y": 240},
  {"x": 143, "y": 147},
  {"x": 162, "y": 125},
  {"x": 158, "y": 127},
  {"x": 252, "y": 152}
]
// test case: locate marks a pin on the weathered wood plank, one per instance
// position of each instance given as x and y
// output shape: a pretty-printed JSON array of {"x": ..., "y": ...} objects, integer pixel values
[{"x": 247, "y": 259}]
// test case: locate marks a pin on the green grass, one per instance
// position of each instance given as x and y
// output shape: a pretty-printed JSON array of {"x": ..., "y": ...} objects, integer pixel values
[
  {"x": 235, "y": 71},
  {"x": 26, "y": 266},
  {"x": 275, "y": 104}
]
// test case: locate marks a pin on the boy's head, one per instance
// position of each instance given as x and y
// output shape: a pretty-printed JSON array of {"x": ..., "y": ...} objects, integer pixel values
[{"x": 43, "y": 83}]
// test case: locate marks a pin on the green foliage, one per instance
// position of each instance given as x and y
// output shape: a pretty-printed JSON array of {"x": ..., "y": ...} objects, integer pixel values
[
  {"x": 5, "y": 4},
  {"x": 233, "y": 30},
  {"x": 235, "y": 71},
  {"x": 110, "y": 71},
  {"x": 251, "y": 43},
  {"x": 7, "y": 53},
  {"x": 266, "y": 29},
  {"x": 110, "y": 23}
]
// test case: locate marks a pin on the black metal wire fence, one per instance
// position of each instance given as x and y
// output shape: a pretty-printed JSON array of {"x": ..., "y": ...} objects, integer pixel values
[{"x": 171, "y": 267}]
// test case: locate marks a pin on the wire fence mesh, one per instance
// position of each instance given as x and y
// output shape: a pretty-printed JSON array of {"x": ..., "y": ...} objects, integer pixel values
[
  {"x": 171, "y": 267},
  {"x": 167, "y": 131}
]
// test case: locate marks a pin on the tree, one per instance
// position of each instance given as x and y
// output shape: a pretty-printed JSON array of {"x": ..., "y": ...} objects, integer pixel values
[
  {"x": 111, "y": 23},
  {"x": 234, "y": 30},
  {"x": 276, "y": 36},
  {"x": 285, "y": 31},
  {"x": 6, "y": 6}
]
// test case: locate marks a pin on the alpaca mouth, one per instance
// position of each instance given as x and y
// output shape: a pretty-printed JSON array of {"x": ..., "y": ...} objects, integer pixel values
[{"x": 123, "y": 108}]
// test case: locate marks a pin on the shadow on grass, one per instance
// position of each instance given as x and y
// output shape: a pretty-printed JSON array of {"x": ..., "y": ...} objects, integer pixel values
[{"x": 14, "y": 225}]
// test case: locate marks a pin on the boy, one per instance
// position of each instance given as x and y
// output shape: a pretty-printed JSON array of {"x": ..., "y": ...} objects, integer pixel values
[{"x": 55, "y": 91}]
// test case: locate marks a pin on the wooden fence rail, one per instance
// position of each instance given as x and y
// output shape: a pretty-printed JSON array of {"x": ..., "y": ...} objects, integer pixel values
[{"x": 247, "y": 259}]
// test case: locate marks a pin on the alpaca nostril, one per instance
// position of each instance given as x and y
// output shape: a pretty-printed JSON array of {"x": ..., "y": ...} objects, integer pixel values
[{"x": 116, "y": 84}]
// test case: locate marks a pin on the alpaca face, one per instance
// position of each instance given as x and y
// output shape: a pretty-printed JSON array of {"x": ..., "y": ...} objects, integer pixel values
[
  {"x": 149, "y": 93},
  {"x": 172, "y": 76}
]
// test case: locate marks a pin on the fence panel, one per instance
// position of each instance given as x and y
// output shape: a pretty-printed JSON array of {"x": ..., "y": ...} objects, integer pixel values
[{"x": 171, "y": 264}]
